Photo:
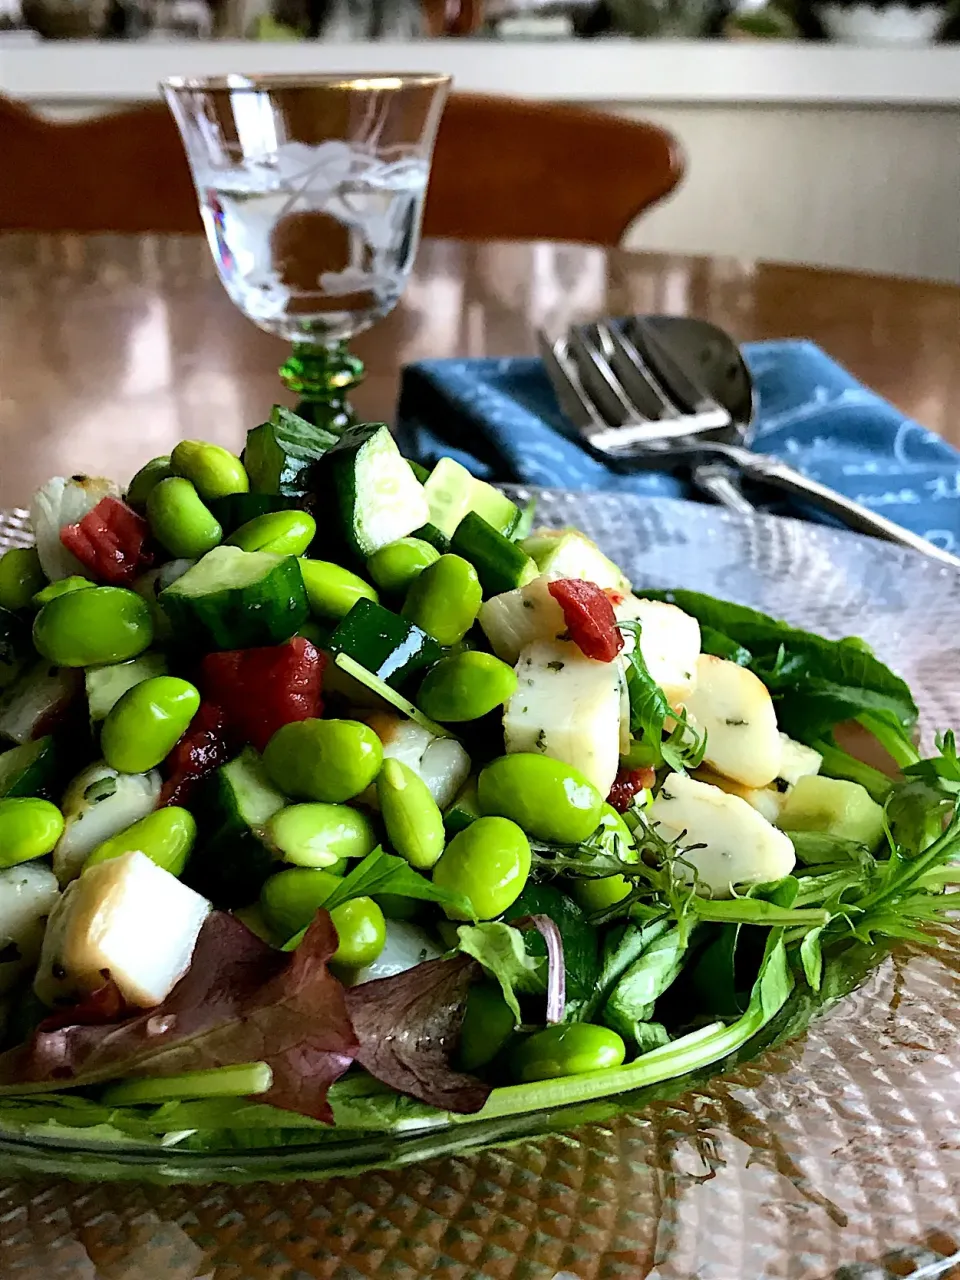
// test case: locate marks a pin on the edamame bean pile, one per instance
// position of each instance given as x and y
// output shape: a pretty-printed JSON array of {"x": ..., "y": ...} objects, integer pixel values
[{"x": 315, "y": 741}]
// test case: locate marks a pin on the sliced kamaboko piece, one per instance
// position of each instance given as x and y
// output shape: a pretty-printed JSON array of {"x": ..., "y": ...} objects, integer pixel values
[
  {"x": 669, "y": 643},
  {"x": 28, "y": 893},
  {"x": 62, "y": 501},
  {"x": 402, "y": 739},
  {"x": 766, "y": 800},
  {"x": 568, "y": 553},
  {"x": 407, "y": 945},
  {"x": 442, "y": 763},
  {"x": 566, "y": 706},
  {"x": 735, "y": 710},
  {"x": 444, "y": 767},
  {"x": 514, "y": 619},
  {"x": 99, "y": 803},
  {"x": 127, "y": 920},
  {"x": 38, "y": 701},
  {"x": 797, "y": 761},
  {"x": 739, "y": 846}
]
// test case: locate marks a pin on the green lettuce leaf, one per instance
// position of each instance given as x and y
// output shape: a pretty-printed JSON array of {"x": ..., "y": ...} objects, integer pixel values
[{"x": 502, "y": 951}]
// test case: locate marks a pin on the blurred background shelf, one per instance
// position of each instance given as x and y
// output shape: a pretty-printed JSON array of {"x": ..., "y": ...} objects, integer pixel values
[{"x": 601, "y": 71}]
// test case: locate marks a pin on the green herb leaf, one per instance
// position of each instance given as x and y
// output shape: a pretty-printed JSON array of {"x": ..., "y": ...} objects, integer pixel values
[
  {"x": 811, "y": 956},
  {"x": 650, "y": 713},
  {"x": 632, "y": 1000},
  {"x": 381, "y": 872}
]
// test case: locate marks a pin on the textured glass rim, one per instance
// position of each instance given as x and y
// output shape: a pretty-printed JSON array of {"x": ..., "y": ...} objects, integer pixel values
[{"x": 346, "y": 81}]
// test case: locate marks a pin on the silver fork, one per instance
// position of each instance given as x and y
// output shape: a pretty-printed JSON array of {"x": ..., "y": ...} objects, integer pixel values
[
  {"x": 15, "y": 529},
  {"x": 689, "y": 441},
  {"x": 607, "y": 390},
  {"x": 659, "y": 382}
]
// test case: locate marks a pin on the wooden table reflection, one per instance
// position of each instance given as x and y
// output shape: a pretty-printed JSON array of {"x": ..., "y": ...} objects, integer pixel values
[{"x": 112, "y": 348}]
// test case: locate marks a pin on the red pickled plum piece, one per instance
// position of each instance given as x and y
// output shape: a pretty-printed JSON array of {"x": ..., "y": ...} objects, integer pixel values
[{"x": 589, "y": 616}]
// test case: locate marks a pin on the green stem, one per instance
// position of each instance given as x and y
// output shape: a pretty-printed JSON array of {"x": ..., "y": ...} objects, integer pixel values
[
  {"x": 838, "y": 763},
  {"x": 220, "y": 1082},
  {"x": 756, "y": 911},
  {"x": 689, "y": 1053},
  {"x": 323, "y": 376}
]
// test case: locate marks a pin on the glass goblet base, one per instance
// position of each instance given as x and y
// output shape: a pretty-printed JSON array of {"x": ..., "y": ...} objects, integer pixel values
[{"x": 322, "y": 376}]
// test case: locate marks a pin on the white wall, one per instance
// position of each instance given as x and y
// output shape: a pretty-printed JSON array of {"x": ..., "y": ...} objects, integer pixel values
[{"x": 876, "y": 189}]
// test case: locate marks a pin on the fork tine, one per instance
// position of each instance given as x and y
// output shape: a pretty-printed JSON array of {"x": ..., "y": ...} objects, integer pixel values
[
  {"x": 562, "y": 372},
  {"x": 598, "y": 378},
  {"x": 682, "y": 383},
  {"x": 675, "y": 422},
  {"x": 636, "y": 376}
]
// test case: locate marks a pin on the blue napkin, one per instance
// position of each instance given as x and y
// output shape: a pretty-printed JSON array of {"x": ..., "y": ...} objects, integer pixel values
[{"x": 500, "y": 418}]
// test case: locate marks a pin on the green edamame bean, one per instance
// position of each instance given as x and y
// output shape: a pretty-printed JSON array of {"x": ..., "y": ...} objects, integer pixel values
[
  {"x": 28, "y": 829},
  {"x": 284, "y": 533},
  {"x": 93, "y": 628},
  {"x": 290, "y": 899},
  {"x": 445, "y": 599},
  {"x": 550, "y": 800},
  {"x": 166, "y": 836},
  {"x": 566, "y": 1051},
  {"x": 214, "y": 471},
  {"x": 489, "y": 862},
  {"x": 179, "y": 520},
  {"x": 20, "y": 578},
  {"x": 465, "y": 686},
  {"x": 332, "y": 591},
  {"x": 147, "y": 479},
  {"x": 147, "y": 722},
  {"x": 361, "y": 931},
  {"x": 615, "y": 838},
  {"x": 599, "y": 893},
  {"x": 487, "y": 1026},
  {"x": 61, "y": 588},
  {"x": 395, "y": 566},
  {"x": 326, "y": 760},
  {"x": 320, "y": 835},
  {"x": 413, "y": 821}
]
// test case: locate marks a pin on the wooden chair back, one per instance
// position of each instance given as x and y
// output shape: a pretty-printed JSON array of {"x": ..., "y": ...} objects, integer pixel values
[{"x": 503, "y": 170}]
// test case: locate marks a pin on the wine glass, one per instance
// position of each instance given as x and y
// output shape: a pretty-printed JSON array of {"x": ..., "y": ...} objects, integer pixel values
[{"x": 311, "y": 190}]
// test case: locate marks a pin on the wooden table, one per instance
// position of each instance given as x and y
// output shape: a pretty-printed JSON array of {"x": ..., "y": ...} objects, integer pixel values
[{"x": 112, "y": 348}]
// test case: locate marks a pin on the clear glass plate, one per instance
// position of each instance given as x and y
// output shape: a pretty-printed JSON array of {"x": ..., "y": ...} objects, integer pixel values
[{"x": 828, "y": 1150}]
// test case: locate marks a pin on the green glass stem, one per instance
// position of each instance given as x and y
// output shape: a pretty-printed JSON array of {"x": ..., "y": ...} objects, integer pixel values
[{"x": 323, "y": 376}]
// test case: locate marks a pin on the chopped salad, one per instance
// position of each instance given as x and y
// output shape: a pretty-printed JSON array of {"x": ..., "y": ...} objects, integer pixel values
[{"x": 333, "y": 789}]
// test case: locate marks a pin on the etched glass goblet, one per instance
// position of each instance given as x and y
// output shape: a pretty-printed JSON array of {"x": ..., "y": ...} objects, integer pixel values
[{"x": 312, "y": 190}]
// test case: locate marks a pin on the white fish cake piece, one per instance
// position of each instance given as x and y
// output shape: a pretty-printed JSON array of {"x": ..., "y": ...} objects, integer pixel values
[
  {"x": 739, "y": 846},
  {"x": 567, "y": 706},
  {"x": 735, "y": 709}
]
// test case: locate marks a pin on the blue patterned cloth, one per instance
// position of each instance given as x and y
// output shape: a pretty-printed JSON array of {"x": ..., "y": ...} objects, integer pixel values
[{"x": 501, "y": 419}]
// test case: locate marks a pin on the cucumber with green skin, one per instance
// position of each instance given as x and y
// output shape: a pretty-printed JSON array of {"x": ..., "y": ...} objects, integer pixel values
[
  {"x": 33, "y": 769},
  {"x": 237, "y": 509},
  {"x": 436, "y": 537},
  {"x": 230, "y": 861},
  {"x": 452, "y": 492},
  {"x": 464, "y": 810},
  {"x": 106, "y": 685},
  {"x": 384, "y": 643},
  {"x": 501, "y": 565},
  {"x": 233, "y": 599},
  {"x": 378, "y": 496}
]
